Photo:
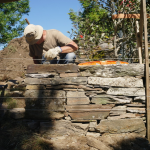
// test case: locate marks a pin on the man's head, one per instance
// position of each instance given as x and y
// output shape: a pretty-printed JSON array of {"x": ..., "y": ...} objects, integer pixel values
[{"x": 33, "y": 33}]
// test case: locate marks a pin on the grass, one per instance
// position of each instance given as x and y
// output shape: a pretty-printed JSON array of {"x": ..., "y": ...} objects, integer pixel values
[
  {"x": 36, "y": 143},
  {"x": 10, "y": 102}
]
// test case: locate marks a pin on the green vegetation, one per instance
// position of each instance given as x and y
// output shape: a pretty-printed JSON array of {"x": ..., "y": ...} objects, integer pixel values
[
  {"x": 11, "y": 24},
  {"x": 91, "y": 25},
  {"x": 10, "y": 102}
]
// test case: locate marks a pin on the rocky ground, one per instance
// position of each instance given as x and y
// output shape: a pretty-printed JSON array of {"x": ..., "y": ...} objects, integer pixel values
[{"x": 26, "y": 135}]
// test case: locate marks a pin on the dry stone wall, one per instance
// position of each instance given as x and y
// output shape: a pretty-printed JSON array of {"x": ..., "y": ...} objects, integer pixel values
[{"x": 108, "y": 99}]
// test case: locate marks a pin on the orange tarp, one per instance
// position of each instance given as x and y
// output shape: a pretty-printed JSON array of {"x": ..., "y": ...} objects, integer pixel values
[{"x": 108, "y": 62}]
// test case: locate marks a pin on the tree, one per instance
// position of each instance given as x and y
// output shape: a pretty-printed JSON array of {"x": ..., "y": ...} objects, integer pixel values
[
  {"x": 11, "y": 25},
  {"x": 90, "y": 24}
]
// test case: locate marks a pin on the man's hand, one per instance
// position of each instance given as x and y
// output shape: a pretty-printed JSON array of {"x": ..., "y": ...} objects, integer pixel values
[{"x": 52, "y": 53}]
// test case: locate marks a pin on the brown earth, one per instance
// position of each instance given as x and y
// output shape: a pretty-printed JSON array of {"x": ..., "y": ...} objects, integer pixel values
[{"x": 14, "y": 59}]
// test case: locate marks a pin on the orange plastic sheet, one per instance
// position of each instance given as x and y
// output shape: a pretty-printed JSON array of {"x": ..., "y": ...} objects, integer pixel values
[{"x": 108, "y": 62}]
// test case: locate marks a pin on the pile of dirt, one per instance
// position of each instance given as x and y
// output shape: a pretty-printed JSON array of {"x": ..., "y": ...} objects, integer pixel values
[{"x": 14, "y": 59}]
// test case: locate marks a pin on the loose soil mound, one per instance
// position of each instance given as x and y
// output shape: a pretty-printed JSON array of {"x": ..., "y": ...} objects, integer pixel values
[{"x": 14, "y": 59}]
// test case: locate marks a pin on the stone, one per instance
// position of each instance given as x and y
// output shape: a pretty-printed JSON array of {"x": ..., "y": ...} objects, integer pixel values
[
  {"x": 68, "y": 118},
  {"x": 37, "y": 81},
  {"x": 112, "y": 71},
  {"x": 88, "y": 108},
  {"x": 135, "y": 105},
  {"x": 43, "y": 114},
  {"x": 126, "y": 91},
  {"x": 109, "y": 99},
  {"x": 118, "y": 110},
  {"x": 73, "y": 87},
  {"x": 61, "y": 128},
  {"x": 77, "y": 98},
  {"x": 81, "y": 126},
  {"x": 92, "y": 126},
  {"x": 44, "y": 75},
  {"x": 86, "y": 73},
  {"x": 116, "y": 82},
  {"x": 93, "y": 134},
  {"x": 56, "y": 81},
  {"x": 44, "y": 94},
  {"x": 139, "y": 99},
  {"x": 58, "y": 68},
  {"x": 63, "y": 75},
  {"x": 88, "y": 115},
  {"x": 122, "y": 116},
  {"x": 17, "y": 113},
  {"x": 69, "y": 80},
  {"x": 122, "y": 126},
  {"x": 94, "y": 93},
  {"x": 93, "y": 142},
  {"x": 79, "y": 90},
  {"x": 52, "y": 104},
  {"x": 35, "y": 87},
  {"x": 136, "y": 110}
]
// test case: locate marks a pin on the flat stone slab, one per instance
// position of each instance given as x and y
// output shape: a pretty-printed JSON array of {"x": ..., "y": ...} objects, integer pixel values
[
  {"x": 127, "y": 91},
  {"x": 123, "y": 116},
  {"x": 109, "y": 99},
  {"x": 88, "y": 108},
  {"x": 77, "y": 98},
  {"x": 45, "y": 93},
  {"x": 88, "y": 112},
  {"x": 136, "y": 110},
  {"x": 35, "y": 87},
  {"x": 52, "y": 104},
  {"x": 45, "y": 68},
  {"x": 43, "y": 114},
  {"x": 63, "y": 75},
  {"x": 114, "y": 70},
  {"x": 84, "y": 87},
  {"x": 119, "y": 110},
  {"x": 122, "y": 126},
  {"x": 116, "y": 82},
  {"x": 93, "y": 115},
  {"x": 57, "y": 81}
]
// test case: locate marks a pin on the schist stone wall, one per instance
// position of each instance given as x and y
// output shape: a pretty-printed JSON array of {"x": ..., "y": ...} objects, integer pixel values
[{"x": 104, "y": 99}]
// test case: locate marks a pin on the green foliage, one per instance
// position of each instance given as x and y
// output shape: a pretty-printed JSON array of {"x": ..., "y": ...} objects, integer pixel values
[
  {"x": 11, "y": 24},
  {"x": 91, "y": 22}
]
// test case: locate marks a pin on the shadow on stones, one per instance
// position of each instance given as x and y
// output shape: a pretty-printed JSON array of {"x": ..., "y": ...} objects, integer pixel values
[
  {"x": 24, "y": 133},
  {"x": 131, "y": 144}
]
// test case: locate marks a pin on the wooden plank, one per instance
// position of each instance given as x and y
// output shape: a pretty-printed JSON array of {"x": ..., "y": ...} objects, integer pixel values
[
  {"x": 141, "y": 25},
  {"x": 45, "y": 68},
  {"x": 143, "y": 6},
  {"x": 138, "y": 42},
  {"x": 117, "y": 16}
]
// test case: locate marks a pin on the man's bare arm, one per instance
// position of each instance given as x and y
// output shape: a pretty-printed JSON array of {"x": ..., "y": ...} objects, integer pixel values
[{"x": 70, "y": 47}]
